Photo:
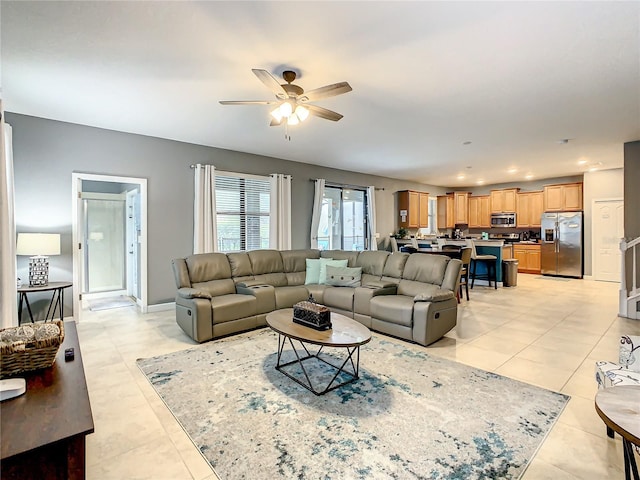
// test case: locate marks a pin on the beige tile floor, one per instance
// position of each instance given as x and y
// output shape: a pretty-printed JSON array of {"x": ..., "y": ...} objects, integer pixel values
[{"x": 546, "y": 331}]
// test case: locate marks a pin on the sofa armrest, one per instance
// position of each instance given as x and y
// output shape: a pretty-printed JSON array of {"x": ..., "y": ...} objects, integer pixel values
[
  {"x": 264, "y": 294},
  {"x": 363, "y": 295},
  {"x": 249, "y": 283},
  {"x": 187, "y": 292},
  {"x": 437, "y": 295},
  {"x": 379, "y": 284}
]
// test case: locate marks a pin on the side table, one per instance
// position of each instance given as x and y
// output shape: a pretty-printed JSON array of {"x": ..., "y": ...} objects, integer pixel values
[
  {"x": 619, "y": 409},
  {"x": 57, "y": 299}
]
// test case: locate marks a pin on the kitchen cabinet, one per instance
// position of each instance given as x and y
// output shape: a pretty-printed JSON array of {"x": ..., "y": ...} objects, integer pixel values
[
  {"x": 445, "y": 211},
  {"x": 453, "y": 208},
  {"x": 530, "y": 208},
  {"x": 565, "y": 197},
  {"x": 528, "y": 256},
  {"x": 503, "y": 201},
  {"x": 507, "y": 251},
  {"x": 479, "y": 212},
  {"x": 413, "y": 209}
]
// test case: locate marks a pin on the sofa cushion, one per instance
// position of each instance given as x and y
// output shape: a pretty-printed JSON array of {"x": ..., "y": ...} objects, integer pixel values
[
  {"x": 232, "y": 307},
  {"x": 435, "y": 295},
  {"x": 396, "y": 309},
  {"x": 216, "y": 288},
  {"x": 295, "y": 260},
  {"x": 343, "y": 276},
  {"x": 286, "y": 297},
  {"x": 339, "y": 297},
  {"x": 240, "y": 265},
  {"x": 277, "y": 279},
  {"x": 266, "y": 261},
  {"x": 426, "y": 268},
  {"x": 333, "y": 263},
  {"x": 208, "y": 266},
  {"x": 351, "y": 257},
  {"x": 317, "y": 291},
  {"x": 372, "y": 262},
  {"x": 394, "y": 266}
]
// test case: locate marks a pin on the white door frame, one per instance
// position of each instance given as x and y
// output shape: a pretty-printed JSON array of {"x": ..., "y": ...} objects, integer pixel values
[
  {"x": 77, "y": 236},
  {"x": 593, "y": 230}
]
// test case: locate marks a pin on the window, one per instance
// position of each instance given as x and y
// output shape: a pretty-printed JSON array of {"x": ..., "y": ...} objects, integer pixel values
[
  {"x": 242, "y": 212},
  {"x": 343, "y": 219}
]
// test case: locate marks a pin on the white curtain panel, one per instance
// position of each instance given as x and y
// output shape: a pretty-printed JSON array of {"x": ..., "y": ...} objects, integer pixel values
[
  {"x": 280, "y": 212},
  {"x": 317, "y": 209},
  {"x": 371, "y": 217},
  {"x": 205, "y": 236},
  {"x": 8, "y": 306}
]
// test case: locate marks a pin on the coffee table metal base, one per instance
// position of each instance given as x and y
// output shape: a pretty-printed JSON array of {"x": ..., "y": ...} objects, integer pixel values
[{"x": 303, "y": 355}]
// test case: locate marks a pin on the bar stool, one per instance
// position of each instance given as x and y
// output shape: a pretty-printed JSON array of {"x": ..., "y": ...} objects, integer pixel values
[{"x": 489, "y": 260}]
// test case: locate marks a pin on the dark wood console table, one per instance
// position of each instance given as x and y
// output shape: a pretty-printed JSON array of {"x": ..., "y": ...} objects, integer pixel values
[{"x": 42, "y": 433}]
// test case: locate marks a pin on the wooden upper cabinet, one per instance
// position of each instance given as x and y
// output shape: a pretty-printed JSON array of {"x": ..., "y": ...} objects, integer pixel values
[
  {"x": 461, "y": 207},
  {"x": 445, "y": 211},
  {"x": 503, "y": 201},
  {"x": 537, "y": 208},
  {"x": 563, "y": 197},
  {"x": 529, "y": 209},
  {"x": 415, "y": 205},
  {"x": 479, "y": 212}
]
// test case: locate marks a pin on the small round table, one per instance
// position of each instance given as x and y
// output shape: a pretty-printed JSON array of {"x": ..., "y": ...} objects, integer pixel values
[
  {"x": 619, "y": 409},
  {"x": 57, "y": 299},
  {"x": 345, "y": 333}
]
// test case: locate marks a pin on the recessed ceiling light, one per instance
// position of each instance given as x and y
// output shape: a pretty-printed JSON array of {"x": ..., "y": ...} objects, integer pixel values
[
  {"x": 461, "y": 177},
  {"x": 582, "y": 161},
  {"x": 480, "y": 182},
  {"x": 512, "y": 170},
  {"x": 593, "y": 169},
  {"x": 529, "y": 176}
]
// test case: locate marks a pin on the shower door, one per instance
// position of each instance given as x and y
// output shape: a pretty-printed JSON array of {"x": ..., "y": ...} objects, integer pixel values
[{"x": 104, "y": 243}]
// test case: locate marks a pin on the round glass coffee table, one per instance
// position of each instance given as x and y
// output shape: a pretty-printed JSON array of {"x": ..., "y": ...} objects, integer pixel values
[{"x": 346, "y": 333}]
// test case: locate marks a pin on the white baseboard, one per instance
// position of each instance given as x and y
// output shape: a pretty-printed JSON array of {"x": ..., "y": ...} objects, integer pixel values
[
  {"x": 588, "y": 277},
  {"x": 161, "y": 307}
]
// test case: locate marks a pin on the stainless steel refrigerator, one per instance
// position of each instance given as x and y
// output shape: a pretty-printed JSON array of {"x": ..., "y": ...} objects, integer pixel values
[{"x": 561, "y": 248}]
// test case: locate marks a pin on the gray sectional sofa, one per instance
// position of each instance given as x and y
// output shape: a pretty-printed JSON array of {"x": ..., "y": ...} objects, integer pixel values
[{"x": 411, "y": 296}]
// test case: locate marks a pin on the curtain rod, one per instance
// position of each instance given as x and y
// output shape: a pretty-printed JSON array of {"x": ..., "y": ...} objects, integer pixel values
[{"x": 345, "y": 185}]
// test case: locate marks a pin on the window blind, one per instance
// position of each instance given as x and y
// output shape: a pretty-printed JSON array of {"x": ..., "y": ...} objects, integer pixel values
[{"x": 242, "y": 212}]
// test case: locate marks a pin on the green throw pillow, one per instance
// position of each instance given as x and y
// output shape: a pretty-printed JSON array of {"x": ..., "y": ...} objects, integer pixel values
[
  {"x": 313, "y": 270},
  {"x": 344, "y": 276},
  {"x": 323, "y": 268}
]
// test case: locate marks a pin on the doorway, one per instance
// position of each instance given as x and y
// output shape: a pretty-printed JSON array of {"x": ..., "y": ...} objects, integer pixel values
[
  {"x": 607, "y": 230},
  {"x": 343, "y": 219},
  {"x": 109, "y": 239}
]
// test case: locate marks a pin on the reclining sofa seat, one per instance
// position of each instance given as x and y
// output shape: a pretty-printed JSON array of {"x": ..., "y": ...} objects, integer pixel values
[
  {"x": 221, "y": 294},
  {"x": 425, "y": 307}
]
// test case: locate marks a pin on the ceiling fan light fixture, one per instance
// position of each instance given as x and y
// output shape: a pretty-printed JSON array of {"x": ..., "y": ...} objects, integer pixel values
[
  {"x": 302, "y": 113},
  {"x": 286, "y": 109},
  {"x": 293, "y": 119},
  {"x": 277, "y": 114}
]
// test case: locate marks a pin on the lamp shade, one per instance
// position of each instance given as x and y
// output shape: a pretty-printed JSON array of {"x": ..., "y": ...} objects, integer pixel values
[{"x": 38, "y": 244}]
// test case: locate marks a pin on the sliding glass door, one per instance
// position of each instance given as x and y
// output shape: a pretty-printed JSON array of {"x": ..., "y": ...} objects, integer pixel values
[{"x": 343, "y": 219}]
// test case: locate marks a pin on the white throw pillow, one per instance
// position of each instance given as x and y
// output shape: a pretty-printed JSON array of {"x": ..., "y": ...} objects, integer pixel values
[
  {"x": 323, "y": 268},
  {"x": 344, "y": 276},
  {"x": 312, "y": 276}
]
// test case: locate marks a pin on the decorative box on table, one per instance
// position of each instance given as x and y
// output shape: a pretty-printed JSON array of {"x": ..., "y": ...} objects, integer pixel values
[
  {"x": 312, "y": 315},
  {"x": 29, "y": 347}
]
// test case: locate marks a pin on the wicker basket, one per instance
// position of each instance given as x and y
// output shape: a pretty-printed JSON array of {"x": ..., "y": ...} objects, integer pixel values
[{"x": 23, "y": 357}]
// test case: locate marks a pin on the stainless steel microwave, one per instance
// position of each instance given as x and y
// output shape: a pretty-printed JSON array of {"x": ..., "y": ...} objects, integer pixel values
[{"x": 504, "y": 220}]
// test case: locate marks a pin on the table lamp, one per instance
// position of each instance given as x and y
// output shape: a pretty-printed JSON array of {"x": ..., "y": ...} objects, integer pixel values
[{"x": 38, "y": 246}]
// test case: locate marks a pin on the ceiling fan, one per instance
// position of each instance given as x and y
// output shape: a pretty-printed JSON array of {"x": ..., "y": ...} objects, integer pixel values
[{"x": 292, "y": 102}]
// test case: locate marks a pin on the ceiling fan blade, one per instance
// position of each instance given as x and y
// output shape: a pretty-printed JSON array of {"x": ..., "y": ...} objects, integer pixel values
[
  {"x": 276, "y": 123},
  {"x": 271, "y": 82},
  {"x": 247, "y": 102},
  {"x": 325, "y": 92},
  {"x": 323, "y": 113}
]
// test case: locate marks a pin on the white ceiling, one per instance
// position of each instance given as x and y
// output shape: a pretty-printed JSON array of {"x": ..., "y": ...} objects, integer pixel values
[{"x": 512, "y": 78}]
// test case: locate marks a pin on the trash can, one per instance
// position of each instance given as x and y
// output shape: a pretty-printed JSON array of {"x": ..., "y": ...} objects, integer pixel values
[{"x": 510, "y": 272}]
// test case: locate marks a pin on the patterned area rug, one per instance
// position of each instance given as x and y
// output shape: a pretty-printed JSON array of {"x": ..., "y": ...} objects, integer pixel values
[{"x": 409, "y": 416}]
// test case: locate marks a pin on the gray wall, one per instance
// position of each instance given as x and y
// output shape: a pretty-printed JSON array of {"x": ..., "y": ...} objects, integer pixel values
[
  {"x": 632, "y": 201},
  {"x": 606, "y": 184},
  {"x": 46, "y": 152}
]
